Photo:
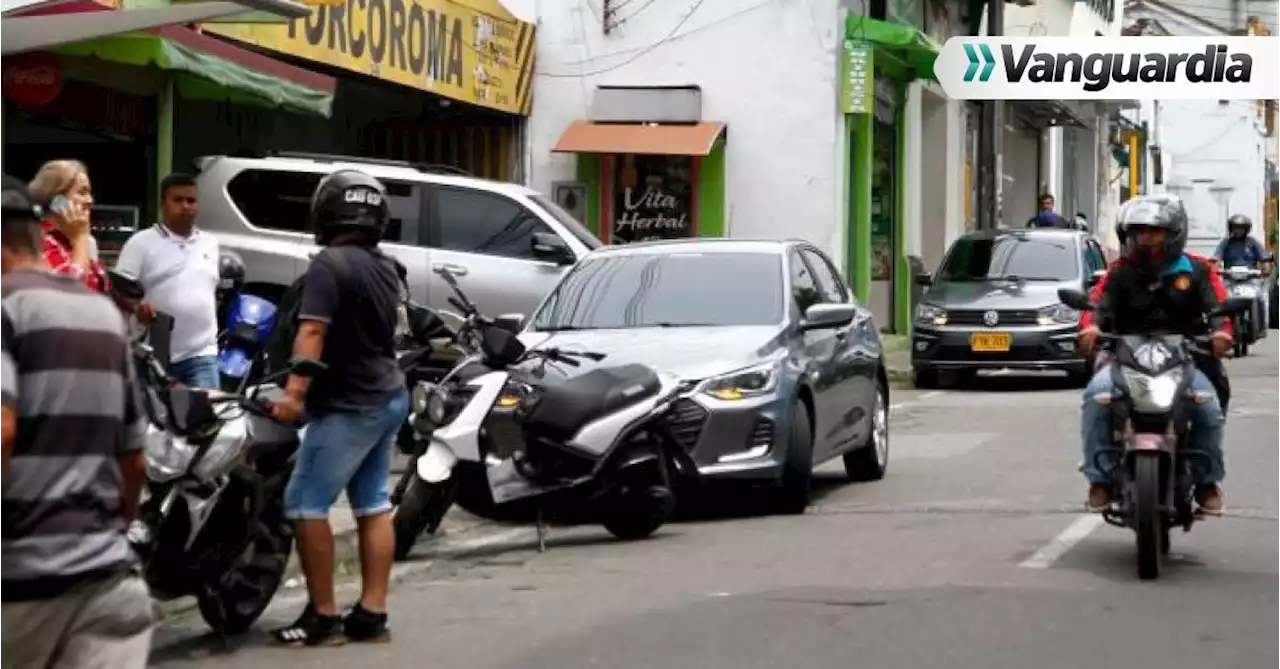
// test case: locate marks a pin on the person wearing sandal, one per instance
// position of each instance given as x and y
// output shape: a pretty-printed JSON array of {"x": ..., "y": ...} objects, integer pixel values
[{"x": 347, "y": 319}]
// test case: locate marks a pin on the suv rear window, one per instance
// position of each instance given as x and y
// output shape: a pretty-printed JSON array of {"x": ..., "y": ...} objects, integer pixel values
[{"x": 280, "y": 200}]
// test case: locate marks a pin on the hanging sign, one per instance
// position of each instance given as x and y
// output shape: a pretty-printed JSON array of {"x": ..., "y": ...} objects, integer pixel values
[
  {"x": 32, "y": 80},
  {"x": 857, "y": 92}
]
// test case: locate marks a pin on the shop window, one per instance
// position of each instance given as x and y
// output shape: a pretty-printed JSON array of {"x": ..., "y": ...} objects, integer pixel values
[
  {"x": 653, "y": 198},
  {"x": 827, "y": 278},
  {"x": 478, "y": 222},
  {"x": 804, "y": 290},
  {"x": 279, "y": 200}
]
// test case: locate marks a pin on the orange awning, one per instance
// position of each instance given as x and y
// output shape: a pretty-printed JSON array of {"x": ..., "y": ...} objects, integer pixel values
[{"x": 694, "y": 139}]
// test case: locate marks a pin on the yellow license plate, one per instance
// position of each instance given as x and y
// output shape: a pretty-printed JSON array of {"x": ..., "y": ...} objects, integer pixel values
[{"x": 990, "y": 342}]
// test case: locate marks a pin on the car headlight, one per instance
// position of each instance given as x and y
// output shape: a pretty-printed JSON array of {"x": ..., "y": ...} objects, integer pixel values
[
  {"x": 750, "y": 382},
  {"x": 928, "y": 314},
  {"x": 167, "y": 457},
  {"x": 1058, "y": 314},
  {"x": 1152, "y": 394}
]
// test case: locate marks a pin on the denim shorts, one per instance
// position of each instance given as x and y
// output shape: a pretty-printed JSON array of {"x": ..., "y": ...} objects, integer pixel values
[{"x": 348, "y": 450}]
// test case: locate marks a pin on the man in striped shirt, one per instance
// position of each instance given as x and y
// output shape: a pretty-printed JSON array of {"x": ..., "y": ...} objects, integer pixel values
[{"x": 72, "y": 437}]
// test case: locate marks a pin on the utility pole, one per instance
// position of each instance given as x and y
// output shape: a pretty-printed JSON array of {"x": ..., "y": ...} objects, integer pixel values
[{"x": 990, "y": 132}]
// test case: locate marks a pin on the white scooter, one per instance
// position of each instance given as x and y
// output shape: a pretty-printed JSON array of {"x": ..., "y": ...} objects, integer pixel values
[
  {"x": 513, "y": 444},
  {"x": 1251, "y": 325}
]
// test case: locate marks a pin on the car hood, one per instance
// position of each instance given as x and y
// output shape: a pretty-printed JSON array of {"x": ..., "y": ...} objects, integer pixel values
[
  {"x": 995, "y": 294},
  {"x": 688, "y": 353}
]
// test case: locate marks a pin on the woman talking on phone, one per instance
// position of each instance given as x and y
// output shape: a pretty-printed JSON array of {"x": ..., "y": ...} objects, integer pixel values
[{"x": 63, "y": 185}]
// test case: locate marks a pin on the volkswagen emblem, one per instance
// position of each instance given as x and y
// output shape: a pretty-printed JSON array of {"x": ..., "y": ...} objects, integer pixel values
[{"x": 990, "y": 319}]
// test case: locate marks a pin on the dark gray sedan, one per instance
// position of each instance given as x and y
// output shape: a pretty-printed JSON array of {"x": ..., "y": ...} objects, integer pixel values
[
  {"x": 994, "y": 304},
  {"x": 785, "y": 369}
]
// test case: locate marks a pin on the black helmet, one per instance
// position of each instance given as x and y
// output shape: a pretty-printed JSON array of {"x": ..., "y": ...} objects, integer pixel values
[
  {"x": 348, "y": 201},
  {"x": 1239, "y": 222},
  {"x": 230, "y": 272},
  {"x": 1153, "y": 211},
  {"x": 17, "y": 202}
]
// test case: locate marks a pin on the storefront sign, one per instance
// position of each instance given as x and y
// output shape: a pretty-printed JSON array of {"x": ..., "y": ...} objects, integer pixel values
[
  {"x": 653, "y": 199},
  {"x": 32, "y": 80},
  {"x": 441, "y": 46},
  {"x": 857, "y": 95}
]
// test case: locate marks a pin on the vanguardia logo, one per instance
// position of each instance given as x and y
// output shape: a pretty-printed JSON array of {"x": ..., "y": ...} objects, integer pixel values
[
  {"x": 1110, "y": 68},
  {"x": 1097, "y": 70},
  {"x": 987, "y": 62}
]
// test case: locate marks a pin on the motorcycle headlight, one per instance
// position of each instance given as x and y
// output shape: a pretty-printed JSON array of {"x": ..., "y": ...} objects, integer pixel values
[
  {"x": 750, "y": 382},
  {"x": 1058, "y": 314},
  {"x": 1152, "y": 394},
  {"x": 420, "y": 398},
  {"x": 167, "y": 457},
  {"x": 928, "y": 314}
]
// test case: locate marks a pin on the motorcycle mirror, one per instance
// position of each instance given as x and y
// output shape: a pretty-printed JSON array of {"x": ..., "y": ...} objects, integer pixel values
[
  {"x": 1075, "y": 299},
  {"x": 501, "y": 347}
]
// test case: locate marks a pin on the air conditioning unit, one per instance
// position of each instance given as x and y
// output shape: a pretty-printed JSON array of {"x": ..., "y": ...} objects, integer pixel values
[{"x": 572, "y": 197}]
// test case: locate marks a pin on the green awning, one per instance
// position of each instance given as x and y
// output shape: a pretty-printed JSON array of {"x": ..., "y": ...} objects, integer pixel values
[
  {"x": 201, "y": 75},
  {"x": 902, "y": 51}
]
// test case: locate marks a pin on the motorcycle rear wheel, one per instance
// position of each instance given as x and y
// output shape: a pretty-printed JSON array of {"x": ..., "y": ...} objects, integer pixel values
[
  {"x": 1148, "y": 519},
  {"x": 420, "y": 510}
]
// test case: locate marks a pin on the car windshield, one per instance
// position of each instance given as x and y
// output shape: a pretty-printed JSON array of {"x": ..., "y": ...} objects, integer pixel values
[
  {"x": 1013, "y": 257},
  {"x": 666, "y": 290},
  {"x": 567, "y": 220}
]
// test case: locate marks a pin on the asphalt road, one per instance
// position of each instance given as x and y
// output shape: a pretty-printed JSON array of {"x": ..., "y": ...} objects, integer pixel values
[{"x": 972, "y": 553}]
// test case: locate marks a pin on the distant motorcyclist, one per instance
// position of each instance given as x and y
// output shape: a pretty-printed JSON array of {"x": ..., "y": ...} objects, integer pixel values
[
  {"x": 1047, "y": 217},
  {"x": 1157, "y": 287},
  {"x": 1238, "y": 249}
]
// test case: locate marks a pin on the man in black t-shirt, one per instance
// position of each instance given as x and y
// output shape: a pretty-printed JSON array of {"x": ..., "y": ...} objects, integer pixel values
[{"x": 347, "y": 318}]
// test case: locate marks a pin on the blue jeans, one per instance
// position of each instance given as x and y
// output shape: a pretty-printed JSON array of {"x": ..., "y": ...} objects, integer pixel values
[
  {"x": 1206, "y": 429},
  {"x": 198, "y": 372},
  {"x": 346, "y": 449}
]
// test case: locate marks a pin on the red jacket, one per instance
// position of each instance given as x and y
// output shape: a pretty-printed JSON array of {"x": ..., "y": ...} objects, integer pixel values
[{"x": 1215, "y": 281}]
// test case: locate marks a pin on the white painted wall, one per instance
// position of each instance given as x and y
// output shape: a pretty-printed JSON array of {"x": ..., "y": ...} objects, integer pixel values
[
  {"x": 1210, "y": 147},
  {"x": 767, "y": 68}
]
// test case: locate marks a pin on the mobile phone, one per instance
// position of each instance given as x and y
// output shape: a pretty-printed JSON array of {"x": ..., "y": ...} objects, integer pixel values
[{"x": 60, "y": 205}]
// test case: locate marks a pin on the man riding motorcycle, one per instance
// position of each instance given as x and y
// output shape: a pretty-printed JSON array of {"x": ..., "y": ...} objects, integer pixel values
[
  {"x": 1238, "y": 249},
  {"x": 1156, "y": 287}
]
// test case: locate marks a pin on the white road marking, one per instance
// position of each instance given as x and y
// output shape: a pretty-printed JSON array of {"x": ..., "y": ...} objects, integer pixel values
[
  {"x": 1059, "y": 545},
  {"x": 919, "y": 398}
]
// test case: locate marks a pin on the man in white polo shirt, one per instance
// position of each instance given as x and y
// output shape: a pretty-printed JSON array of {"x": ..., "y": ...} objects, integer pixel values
[{"x": 177, "y": 265}]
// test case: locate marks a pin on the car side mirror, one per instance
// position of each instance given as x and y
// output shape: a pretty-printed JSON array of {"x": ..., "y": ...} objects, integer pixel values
[
  {"x": 547, "y": 246},
  {"x": 923, "y": 279},
  {"x": 513, "y": 323},
  {"x": 1096, "y": 277},
  {"x": 827, "y": 316},
  {"x": 1075, "y": 299}
]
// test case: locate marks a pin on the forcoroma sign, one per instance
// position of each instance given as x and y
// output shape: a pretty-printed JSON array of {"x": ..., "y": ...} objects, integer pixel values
[{"x": 1110, "y": 68}]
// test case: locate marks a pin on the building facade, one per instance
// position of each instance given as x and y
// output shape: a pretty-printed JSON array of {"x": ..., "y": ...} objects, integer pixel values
[{"x": 755, "y": 119}]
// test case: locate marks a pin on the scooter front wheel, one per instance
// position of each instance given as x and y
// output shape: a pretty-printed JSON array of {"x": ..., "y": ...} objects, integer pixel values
[{"x": 421, "y": 509}]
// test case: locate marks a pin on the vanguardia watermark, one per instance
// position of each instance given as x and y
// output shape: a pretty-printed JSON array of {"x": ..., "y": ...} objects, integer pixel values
[{"x": 1057, "y": 68}]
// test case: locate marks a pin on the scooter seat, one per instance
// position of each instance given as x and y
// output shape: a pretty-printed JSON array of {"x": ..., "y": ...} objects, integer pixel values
[{"x": 564, "y": 408}]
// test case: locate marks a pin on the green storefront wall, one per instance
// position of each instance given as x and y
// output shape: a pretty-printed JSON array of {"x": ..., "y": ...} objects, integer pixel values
[{"x": 900, "y": 55}]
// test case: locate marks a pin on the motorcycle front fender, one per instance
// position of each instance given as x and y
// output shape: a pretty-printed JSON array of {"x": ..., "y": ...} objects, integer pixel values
[{"x": 437, "y": 463}]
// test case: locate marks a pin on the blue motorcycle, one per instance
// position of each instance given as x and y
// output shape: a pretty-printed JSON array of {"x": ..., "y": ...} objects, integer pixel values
[{"x": 250, "y": 320}]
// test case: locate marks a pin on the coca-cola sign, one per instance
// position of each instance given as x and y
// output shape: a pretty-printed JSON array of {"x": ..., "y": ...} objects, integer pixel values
[{"x": 32, "y": 80}]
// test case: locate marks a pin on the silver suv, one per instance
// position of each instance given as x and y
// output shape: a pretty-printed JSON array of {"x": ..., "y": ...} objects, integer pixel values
[{"x": 508, "y": 245}]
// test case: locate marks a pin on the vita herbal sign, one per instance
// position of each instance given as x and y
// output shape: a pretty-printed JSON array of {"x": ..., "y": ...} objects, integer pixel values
[{"x": 480, "y": 56}]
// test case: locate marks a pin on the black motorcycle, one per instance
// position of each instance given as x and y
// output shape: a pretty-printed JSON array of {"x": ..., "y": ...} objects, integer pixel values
[{"x": 1150, "y": 462}]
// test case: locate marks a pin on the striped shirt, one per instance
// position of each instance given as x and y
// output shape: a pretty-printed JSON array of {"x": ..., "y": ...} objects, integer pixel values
[{"x": 68, "y": 374}]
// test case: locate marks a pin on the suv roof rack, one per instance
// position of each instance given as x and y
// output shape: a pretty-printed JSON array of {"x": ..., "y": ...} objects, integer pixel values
[{"x": 430, "y": 168}]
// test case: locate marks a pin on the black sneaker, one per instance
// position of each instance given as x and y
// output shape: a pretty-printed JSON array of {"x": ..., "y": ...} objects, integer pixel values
[
  {"x": 364, "y": 625},
  {"x": 310, "y": 629}
]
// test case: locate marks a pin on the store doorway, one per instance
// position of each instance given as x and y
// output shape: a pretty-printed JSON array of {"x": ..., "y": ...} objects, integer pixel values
[{"x": 884, "y": 220}]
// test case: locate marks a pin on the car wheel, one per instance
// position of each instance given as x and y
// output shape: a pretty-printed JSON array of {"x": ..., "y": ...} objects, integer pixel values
[
  {"x": 869, "y": 461},
  {"x": 924, "y": 379},
  {"x": 797, "y": 470}
]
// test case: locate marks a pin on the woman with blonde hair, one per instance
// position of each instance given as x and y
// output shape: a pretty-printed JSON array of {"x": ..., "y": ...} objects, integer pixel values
[{"x": 63, "y": 187}]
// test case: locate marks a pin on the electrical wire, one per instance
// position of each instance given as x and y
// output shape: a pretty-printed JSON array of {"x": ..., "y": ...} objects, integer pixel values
[
  {"x": 639, "y": 53},
  {"x": 615, "y": 24}
]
